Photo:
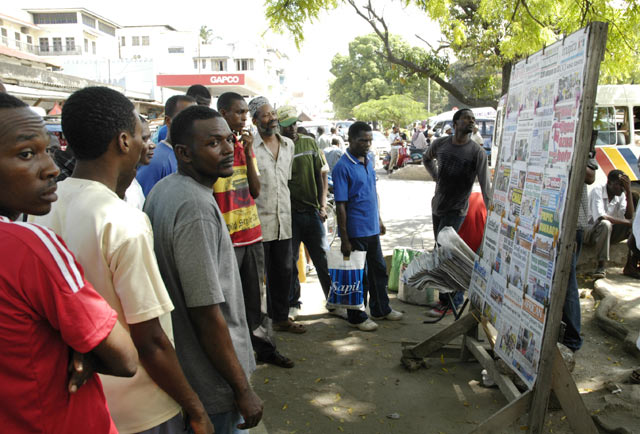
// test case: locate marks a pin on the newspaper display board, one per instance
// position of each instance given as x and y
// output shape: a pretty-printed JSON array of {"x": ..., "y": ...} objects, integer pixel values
[{"x": 511, "y": 282}]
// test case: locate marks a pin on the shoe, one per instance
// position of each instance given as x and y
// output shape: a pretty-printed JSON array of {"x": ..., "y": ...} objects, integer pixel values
[
  {"x": 310, "y": 269},
  {"x": 394, "y": 315},
  {"x": 599, "y": 273},
  {"x": 289, "y": 326},
  {"x": 340, "y": 312},
  {"x": 294, "y": 313},
  {"x": 437, "y": 312},
  {"x": 366, "y": 325},
  {"x": 277, "y": 359}
]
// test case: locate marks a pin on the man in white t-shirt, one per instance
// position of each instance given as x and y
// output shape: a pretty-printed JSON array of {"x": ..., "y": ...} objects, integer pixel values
[
  {"x": 610, "y": 216},
  {"x": 114, "y": 243}
]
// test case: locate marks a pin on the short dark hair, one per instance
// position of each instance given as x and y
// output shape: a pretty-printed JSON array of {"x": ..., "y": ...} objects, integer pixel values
[
  {"x": 199, "y": 93},
  {"x": 614, "y": 175},
  {"x": 357, "y": 127},
  {"x": 10, "y": 101},
  {"x": 320, "y": 131},
  {"x": 457, "y": 114},
  {"x": 333, "y": 130},
  {"x": 226, "y": 100},
  {"x": 171, "y": 105},
  {"x": 182, "y": 126},
  {"x": 92, "y": 117},
  {"x": 335, "y": 142}
]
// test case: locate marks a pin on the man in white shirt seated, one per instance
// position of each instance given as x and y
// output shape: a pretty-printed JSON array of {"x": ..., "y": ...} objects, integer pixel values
[{"x": 610, "y": 216}]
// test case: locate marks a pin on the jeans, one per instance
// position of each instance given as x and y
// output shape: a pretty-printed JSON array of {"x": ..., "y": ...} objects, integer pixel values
[
  {"x": 277, "y": 262},
  {"x": 375, "y": 280},
  {"x": 251, "y": 266},
  {"x": 440, "y": 222},
  {"x": 571, "y": 308},
  {"x": 226, "y": 423},
  {"x": 307, "y": 227}
]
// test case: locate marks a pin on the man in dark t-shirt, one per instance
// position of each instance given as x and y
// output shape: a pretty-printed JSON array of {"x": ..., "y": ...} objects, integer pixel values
[{"x": 460, "y": 161}]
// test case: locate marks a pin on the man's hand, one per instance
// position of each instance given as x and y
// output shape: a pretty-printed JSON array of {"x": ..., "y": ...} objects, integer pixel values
[
  {"x": 322, "y": 212},
  {"x": 345, "y": 248},
  {"x": 81, "y": 368},
  {"x": 383, "y": 229},
  {"x": 626, "y": 184},
  {"x": 250, "y": 407},
  {"x": 247, "y": 140},
  {"x": 201, "y": 424}
]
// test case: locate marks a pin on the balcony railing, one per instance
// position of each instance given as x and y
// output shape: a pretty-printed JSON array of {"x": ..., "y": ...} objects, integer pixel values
[{"x": 52, "y": 52}]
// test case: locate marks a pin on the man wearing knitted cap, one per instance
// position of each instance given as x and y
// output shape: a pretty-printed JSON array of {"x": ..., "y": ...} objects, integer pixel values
[
  {"x": 308, "y": 187},
  {"x": 274, "y": 154}
]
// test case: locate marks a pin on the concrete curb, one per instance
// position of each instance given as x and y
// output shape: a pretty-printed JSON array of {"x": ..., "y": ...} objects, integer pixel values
[{"x": 608, "y": 301}]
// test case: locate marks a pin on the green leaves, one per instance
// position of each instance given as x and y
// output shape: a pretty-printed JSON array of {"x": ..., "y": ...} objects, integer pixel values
[{"x": 391, "y": 109}]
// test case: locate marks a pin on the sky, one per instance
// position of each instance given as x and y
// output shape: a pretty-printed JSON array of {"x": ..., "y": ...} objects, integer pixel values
[{"x": 236, "y": 19}]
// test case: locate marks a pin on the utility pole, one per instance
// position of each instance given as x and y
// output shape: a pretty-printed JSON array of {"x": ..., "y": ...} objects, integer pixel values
[{"x": 429, "y": 94}]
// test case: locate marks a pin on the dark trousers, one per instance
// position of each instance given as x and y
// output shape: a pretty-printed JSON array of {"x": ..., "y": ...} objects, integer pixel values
[
  {"x": 440, "y": 222},
  {"x": 251, "y": 265},
  {"x": 375, "y": 280},
  {"x": 307, "y": 227},
  {"x": 571, "y": 308},
  {"x": 277, "y": 261}
]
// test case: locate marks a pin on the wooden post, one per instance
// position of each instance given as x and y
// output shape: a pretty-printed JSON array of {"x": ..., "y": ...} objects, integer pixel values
[{"x": 595, "y": 53}]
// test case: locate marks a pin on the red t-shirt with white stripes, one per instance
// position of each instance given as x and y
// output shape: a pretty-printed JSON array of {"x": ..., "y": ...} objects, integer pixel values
[{"x": 47, "y": 308}]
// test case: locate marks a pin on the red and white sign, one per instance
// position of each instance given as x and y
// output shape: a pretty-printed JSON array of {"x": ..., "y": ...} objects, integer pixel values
[{"x": 204, "y": 79}]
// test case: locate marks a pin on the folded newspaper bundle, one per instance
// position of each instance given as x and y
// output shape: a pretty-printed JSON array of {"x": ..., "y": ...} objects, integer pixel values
[{"x": 447, "y": 268}]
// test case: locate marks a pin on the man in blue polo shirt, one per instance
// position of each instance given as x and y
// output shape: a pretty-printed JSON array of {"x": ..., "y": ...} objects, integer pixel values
[{"x": 360, "y": 226}]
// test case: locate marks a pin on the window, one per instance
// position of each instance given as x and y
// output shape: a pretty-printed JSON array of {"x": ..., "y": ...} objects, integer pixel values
[
  {"x": 622, "y": 125},
  {"x": 204, "y": 63},
  {"x": 86, "y": 45},
  {"x": 145, "y": 41},
  {"x": 44, "y": 45},
  {"x": 71, "y": 44},
  {"x": 244, "y": 64},
  {"x": 17, "y": 39},
  {"x": 195, "y": 63},
  {"x": 218, "y": 65},
  {"x": 604, "y": 121},
  {"x": 93, "y": 46},
  {"x": 29, "y": 40},
  {"x": 106, "y": 28},
  {"x": 88, "y": 21},
  {"x": 123, "y": 41},
  {"x": 636, "y": 125},
  {"x": 57, "y": 44},
  {"x": 178, "y": 50},
  {"x": 56, "y": 18},
  {"x": 5, "y": 37},
  {"x": 135, "y": 41}
]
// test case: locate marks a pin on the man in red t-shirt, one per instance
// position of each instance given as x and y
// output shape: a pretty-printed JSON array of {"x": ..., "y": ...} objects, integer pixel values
[
  {"x": 48, "y": 312},
  {"x": 235, "y": 196}
]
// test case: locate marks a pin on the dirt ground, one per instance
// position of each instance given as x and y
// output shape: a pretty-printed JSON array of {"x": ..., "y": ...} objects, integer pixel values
[{"x": 350, "y": 381}]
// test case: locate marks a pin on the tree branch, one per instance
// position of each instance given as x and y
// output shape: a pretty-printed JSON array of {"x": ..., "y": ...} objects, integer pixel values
[{"x": 371, "y": 17}]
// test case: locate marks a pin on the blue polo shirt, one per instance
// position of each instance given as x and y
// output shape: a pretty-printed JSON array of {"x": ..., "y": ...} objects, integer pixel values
[
  {"x": 354, "y": 182},
  {"x": 162, "y": 164}
]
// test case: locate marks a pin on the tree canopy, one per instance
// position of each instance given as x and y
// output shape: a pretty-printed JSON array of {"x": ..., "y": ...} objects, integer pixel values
[
  {"x": 391, "y": 110},
  {"x": 364, "y": 75},
  {"x": 488, "y": 33}
]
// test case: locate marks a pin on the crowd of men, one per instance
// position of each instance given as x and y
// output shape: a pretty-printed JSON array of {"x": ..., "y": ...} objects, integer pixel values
[{"x": 137, "y": 281}]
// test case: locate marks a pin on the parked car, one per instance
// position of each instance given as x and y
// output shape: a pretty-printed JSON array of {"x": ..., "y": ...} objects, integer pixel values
[
  {"x": 380, "y": 145},
  {"x": 312, "y": 127}
]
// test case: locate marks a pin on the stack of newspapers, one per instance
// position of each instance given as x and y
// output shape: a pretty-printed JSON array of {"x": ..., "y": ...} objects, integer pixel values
[{"x": 447, "y": 268}]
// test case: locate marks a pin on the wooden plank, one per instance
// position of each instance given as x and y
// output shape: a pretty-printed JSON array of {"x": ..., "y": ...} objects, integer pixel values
[
  {"x": 570, "y": 399},
  {"x": 508, "y": 389},
  {"x": 595, "y": 52},
  {"x": 440, "y": 339},
  {"x": 507, "y": 415}
]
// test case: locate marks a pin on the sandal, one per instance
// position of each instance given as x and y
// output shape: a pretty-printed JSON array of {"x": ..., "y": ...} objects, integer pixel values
[
  {"x": 635, "y": 376},
  {"x": 290, "y": 326}
]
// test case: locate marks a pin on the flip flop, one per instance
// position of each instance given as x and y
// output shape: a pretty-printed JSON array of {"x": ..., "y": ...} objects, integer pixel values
[
  {"x": 635, "y": 376},
  {"x": 290, "y": 326}
]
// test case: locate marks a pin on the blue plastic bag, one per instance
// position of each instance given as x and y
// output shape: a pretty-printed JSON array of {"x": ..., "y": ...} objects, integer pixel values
[{"x": 346, "y": 280}]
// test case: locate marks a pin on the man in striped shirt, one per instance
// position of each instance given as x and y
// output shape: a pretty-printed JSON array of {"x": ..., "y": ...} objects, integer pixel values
[{"x": 46, "y": 306}]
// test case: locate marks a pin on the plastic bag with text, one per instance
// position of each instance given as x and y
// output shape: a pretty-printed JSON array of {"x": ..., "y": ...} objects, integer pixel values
[{"x": 346, "y": 280}]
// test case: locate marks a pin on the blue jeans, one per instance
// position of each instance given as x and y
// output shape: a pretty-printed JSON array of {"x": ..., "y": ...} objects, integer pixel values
[
  {"x": 375, "y": 280},
  {"x": 571, "y": 308},
  {"x": 307, "y": 227},
  {"x": 226, "y": 423},
  {"x": 440, "y": 222}
]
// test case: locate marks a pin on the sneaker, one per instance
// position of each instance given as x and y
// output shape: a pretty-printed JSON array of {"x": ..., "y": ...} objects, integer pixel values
[
  {"x": 394, "y": 315},
  {"x": 310, "y": 269},
  {"x": 340, "y": 312},
  {"x": 366, "y": 325},
  {"x": 294, "y": 313},
  {"x": 599, "y": 273},
  {"x": 437, "y": 312}
]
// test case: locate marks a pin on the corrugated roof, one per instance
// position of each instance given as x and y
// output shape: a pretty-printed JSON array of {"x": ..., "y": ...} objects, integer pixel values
[{"x": 6, "y": 51}]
